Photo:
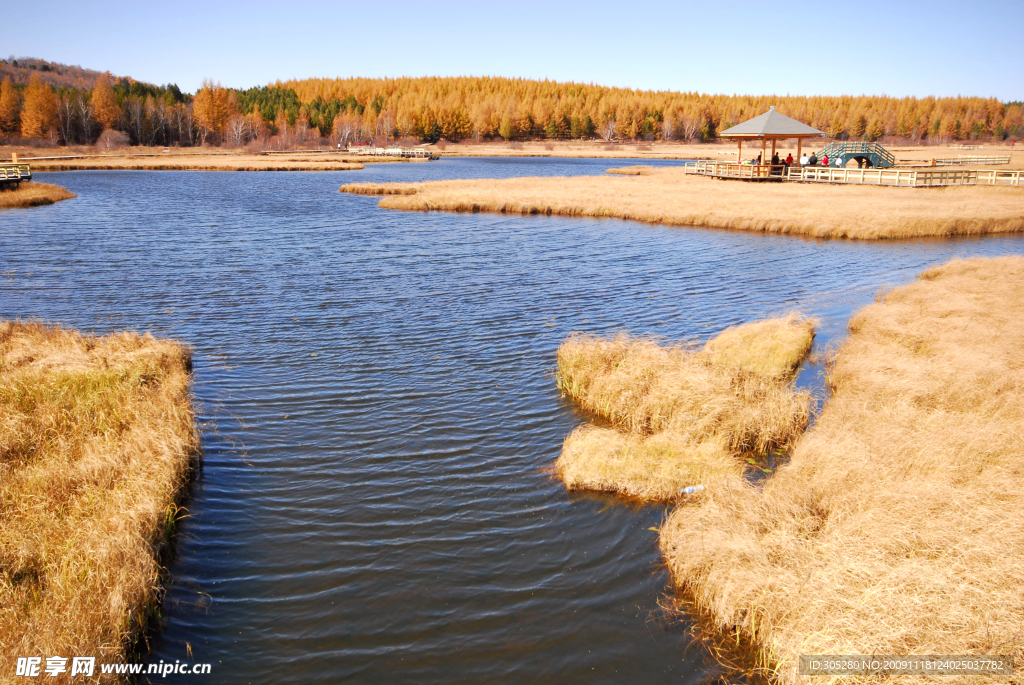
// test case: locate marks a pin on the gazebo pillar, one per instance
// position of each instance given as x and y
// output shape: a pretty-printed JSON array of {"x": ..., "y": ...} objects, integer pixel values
[{"x": 739, "y": 152}]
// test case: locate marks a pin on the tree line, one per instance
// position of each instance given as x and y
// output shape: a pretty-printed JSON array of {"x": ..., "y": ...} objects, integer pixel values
[{"x": 430, "y": 109}]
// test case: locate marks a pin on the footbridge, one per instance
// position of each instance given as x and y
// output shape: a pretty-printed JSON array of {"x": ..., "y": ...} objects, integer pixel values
[{"x": 869, "y": 155}]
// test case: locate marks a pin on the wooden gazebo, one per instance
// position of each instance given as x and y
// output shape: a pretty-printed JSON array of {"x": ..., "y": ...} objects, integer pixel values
[{"x": 770, "y": 126}]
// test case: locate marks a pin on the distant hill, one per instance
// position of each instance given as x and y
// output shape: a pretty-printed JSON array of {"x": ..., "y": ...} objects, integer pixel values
[{"x": 58, "y": 75}]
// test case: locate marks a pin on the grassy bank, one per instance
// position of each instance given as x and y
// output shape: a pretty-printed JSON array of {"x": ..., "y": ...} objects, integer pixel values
[
  {"x": 667, "y": 196},
  {"x": 197, "y": 161},
  {"x": 33, "y": 194},
  {"x": 97, "y": 438},
  {"x": 896, "y": 527},
  {"x": 681, "y": 415}
]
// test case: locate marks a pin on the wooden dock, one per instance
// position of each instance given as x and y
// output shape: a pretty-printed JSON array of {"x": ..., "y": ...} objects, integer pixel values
[
  {"x": 404, "y": 152},
  {"x": 907, "y": 178},
  {"x": 12, "y": 174}
]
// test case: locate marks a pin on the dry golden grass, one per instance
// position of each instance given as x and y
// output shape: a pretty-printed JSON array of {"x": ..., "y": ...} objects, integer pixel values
[
  {"x": 197, "y": 161},
  {"x": 896, "y": 527},
  {"x": 684, "y": 415},
  {"x": 97, "y": 438},
  {"x": 666, "y": 196},
  {"x": 638, "y": 170},
  {"x": 378, "y": 189},
  {"x": 33, "y": 194}
]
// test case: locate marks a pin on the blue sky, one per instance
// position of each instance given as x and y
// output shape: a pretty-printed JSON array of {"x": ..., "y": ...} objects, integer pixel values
[{"x": 894, "y": 48}]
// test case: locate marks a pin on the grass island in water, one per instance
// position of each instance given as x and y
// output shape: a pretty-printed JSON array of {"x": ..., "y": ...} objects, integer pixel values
[{"x": 97, "y": 439}]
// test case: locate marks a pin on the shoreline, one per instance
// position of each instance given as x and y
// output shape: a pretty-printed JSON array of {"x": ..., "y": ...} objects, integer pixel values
[
  {"x": 33, "y": 194},
  {"x": 668, "y": 196},
  {"x": 913, "y": 463},
  {"x": 87, "y": 514}
]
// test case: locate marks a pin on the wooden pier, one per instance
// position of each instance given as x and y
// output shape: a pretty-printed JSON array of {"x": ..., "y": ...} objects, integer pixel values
[
  {"x": 907, "y": 178},
  {"x": 12, "y": 174},
  {"x": 404, "y": 152}
]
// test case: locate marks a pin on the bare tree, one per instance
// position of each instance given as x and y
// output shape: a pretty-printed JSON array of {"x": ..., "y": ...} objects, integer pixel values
[
  {"x": 238, "y": 131},
  {"x": 156, "y": 114},
  {"x": 668, "y": 131},
  {"x": 66, "y": 118},
  {"x": 86, "y": 121},
  {"x": 111, "y": 139},
  {"x": 690, "y": 126},
  {"x": 608, "y": 130},
  {"x": 135, "y": 114},
  {"x": 186, "y": 124}
]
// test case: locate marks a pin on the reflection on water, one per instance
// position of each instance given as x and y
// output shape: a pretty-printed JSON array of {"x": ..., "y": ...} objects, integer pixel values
[{"x": 380, "y": 411}]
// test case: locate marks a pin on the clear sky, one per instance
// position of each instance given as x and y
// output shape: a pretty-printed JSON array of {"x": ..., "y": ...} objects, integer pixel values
[{"x": 769, "y": 47}]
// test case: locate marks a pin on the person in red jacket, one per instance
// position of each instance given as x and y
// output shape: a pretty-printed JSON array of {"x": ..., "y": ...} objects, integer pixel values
[{"x": 824, "y": 160}]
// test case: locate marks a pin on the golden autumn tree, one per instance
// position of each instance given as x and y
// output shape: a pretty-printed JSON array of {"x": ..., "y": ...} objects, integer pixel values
[
  {"x": 10, "y": 107},
  {"x": 104, "y": 103},
  {"x": 212, "y": 108},
  {"x": 39, "y": 116}
]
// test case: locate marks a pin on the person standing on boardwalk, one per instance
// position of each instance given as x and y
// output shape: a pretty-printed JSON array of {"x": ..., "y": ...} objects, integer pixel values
[
  {"x": 824, "y": 160},
  {"x": 813, "y": 160},
  {"x": 803, "y": 160}
]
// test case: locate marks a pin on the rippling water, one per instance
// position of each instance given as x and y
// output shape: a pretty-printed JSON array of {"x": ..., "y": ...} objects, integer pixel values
[{"x": 380, "y": 414}]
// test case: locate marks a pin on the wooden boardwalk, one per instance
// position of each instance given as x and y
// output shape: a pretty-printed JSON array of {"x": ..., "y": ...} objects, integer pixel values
[
  {"x": 404, "y": 152},
  {"x": 984, "y": 160},
  {"x": 908, "y": 178},
  {"x": 11, "y": 175}
]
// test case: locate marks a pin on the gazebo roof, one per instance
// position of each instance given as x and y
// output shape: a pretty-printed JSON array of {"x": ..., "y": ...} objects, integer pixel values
[{"x": 771, "y": 124}]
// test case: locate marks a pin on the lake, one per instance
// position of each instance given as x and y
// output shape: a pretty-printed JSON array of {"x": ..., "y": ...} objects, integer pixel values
[{"x": 380, "y": 417}]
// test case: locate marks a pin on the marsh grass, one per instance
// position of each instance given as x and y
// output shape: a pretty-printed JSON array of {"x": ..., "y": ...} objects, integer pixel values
[
  {"x": 896, "y": 527},
  {"x": 681, "y": 415},
  {"x": 97, "y": 439},
  {"x": 667, "y": 196},
  {"x": 377, "y": 189},
  {"x": 33, "y": 194},
  {"x": 638, "y": 170}
]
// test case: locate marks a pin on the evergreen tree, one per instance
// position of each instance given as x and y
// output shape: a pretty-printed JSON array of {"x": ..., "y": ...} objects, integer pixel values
[{"x": 551, "y": 130}]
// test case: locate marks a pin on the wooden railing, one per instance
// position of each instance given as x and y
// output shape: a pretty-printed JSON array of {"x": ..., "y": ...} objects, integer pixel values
[
  {"x": 408, "y": 152},
  {"x": 15, "y": 173},
  {"x": 734, "y": 170},
  {"x": 973, "y": 159},
  {"x": 858, "y": 149},
  {"x": 958, "y": 146},
  {"x": 912, "y": 179}
]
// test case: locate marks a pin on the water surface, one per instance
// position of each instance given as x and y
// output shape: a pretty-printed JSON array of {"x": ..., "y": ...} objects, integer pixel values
[{"x": 380, "y": 416}]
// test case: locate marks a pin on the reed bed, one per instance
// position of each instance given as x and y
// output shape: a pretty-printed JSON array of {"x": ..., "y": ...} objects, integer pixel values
[
  {"x": 97, "y": 438},
  {"x": 896, "y": 527},
  {"x": 681, "y": 415},
  {"x": 378, "y": 189},
  {"x": 667, "y": 196},
  {"x": 638, "y": 170},
  {"x": 33, "y": 194}
]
